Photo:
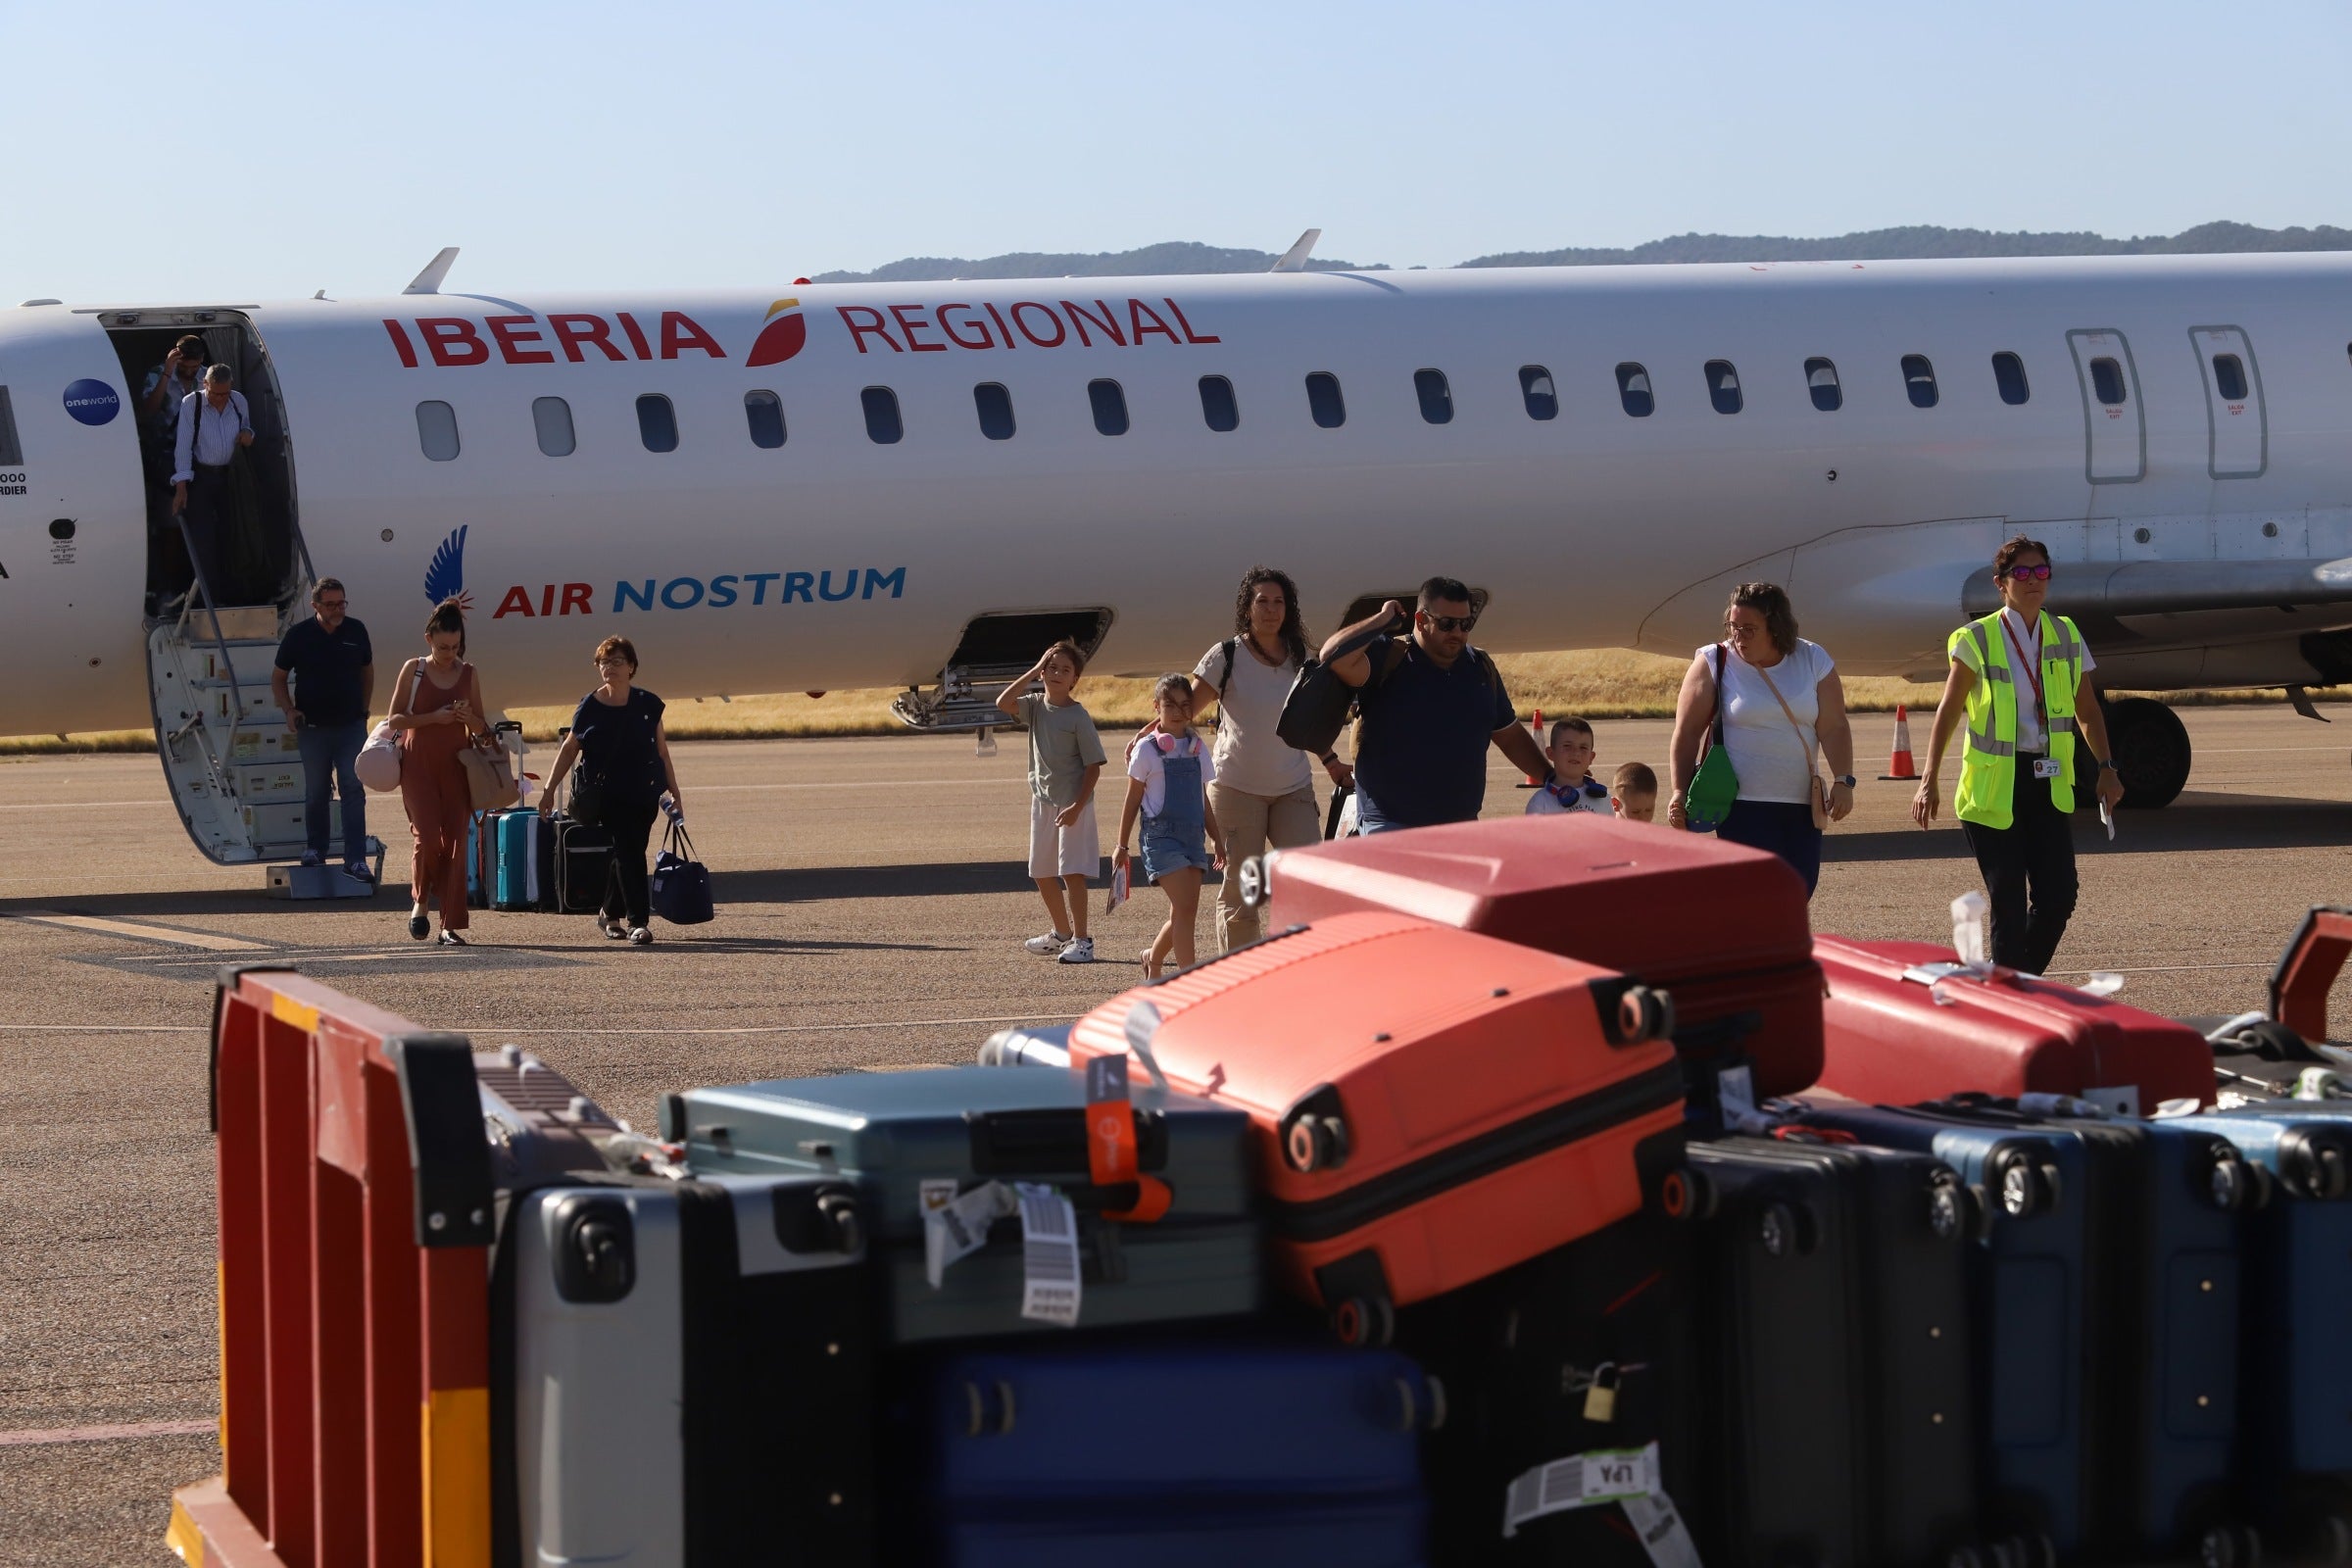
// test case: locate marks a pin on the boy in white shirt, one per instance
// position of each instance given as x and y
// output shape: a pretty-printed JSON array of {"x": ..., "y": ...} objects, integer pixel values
[
  {"x": 1065, "y": 759},
  {"x": 1570, "y": 787}
]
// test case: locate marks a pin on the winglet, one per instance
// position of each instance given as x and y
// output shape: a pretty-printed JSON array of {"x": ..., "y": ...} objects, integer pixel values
[
  {"x": 428, "y": 282},
  {"x": 1294, "y": 260}
]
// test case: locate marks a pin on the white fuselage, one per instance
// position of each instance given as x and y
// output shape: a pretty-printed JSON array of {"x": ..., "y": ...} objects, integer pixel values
[{"x": 833, "y": 561}]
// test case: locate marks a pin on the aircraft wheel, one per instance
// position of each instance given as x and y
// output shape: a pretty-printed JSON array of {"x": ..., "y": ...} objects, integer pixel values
[{"x": 2151, "y": 748}]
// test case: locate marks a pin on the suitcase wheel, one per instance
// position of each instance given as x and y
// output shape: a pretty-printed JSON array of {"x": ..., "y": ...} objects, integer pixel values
[
  {"x": 2323, "y": 1170},
  {"x": 980, "y": 1419},
  {"x": 839, "y": 1213},
  {"x": 2025, "y": 1552},
  {"x": 1947, "y": 1214},
  {"x": 1364, "y": 1320},
  {"x": 1315, "y": 1143},
  {"x": 1687, "y": 1194},
  {"x": 2230, "y": 1547},
  {"x": 1784, "y": 1230},
  {"x": 1964, "y": 1557},
  {"x": 2027, "y": 1189},
  {"x": 2229, "y": 1182}
]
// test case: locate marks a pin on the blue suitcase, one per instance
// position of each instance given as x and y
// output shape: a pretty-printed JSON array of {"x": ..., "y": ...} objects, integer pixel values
[
  {"x": 2296, "y": 1441},
  {"x": 2107, "y": 1318},
  {"x": 517, "y": 881},
  {"x": 1173, "y": 1455}
]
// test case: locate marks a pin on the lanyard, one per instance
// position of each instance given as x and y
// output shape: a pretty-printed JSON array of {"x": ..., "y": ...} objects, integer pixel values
[{"x": 2041, "y": 708}]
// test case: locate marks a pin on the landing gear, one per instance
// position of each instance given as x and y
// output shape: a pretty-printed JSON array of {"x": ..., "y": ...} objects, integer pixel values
[{"x": 2151, "y": 749}]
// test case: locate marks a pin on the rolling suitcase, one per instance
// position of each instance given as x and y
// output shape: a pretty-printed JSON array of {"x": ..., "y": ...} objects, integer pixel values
[
  {"x": 1588, "y": 1352},
  {"x": 516, "y": 861},
  {"x": 1722, "y": 927},
  {"x": 581, "y": 857},
  {"x": 2108, "y": 1314},
  {"x": 1427, "y": 1106},
  {"x": 1840, "y": 1353},
  {"x": 2294, "y": 1440},
  {"x": 970, "y": 1137},
  {"x": 1903, "y": 1021},
  {"x": 687, "y": 1374},
  {"x": 1173, "y": 1455}
]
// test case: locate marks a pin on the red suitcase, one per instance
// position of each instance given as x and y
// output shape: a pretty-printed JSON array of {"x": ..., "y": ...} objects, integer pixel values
[
  {"x": 1902, "y": 1024},
  {"x": 1431, "y": 1106},
  {"x": 1722, "y": 927}
]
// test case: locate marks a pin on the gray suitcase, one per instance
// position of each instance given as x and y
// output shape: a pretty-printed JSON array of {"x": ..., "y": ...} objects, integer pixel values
[
  {"x": 904, "y": 1136},
  {"x": 691, "y": 1374}
]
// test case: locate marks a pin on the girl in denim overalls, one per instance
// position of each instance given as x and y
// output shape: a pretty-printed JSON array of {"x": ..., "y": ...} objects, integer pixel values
[{"x": 1168, "y": 770}]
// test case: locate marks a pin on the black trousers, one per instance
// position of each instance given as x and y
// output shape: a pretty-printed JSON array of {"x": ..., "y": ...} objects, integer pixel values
[
  {"x": 210, "y": 509},
  {"x": 631, "y": 824},
  {"x": 2028, "y": 870}
]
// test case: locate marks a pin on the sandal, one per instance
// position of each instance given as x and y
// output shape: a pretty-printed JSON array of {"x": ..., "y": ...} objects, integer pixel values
[{"x": 613, "y": 930}]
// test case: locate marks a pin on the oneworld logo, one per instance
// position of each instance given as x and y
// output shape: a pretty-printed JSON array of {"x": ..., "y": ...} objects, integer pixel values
[
  {"x": 92, "y": 402},
  {"x": 781, "y": 337}
]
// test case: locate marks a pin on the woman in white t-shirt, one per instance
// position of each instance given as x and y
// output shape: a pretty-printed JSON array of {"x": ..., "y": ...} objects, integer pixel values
[
  {"x": 1781, "y": 698},
  {"x": 1264, "y": 791}
]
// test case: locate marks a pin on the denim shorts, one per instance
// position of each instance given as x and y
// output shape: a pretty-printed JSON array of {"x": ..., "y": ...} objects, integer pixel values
[{"x": 1165, "y": 852}]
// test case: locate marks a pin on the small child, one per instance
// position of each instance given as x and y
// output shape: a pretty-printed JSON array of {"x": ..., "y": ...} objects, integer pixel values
[
  {"x": 1634, "y": 793},
  {"x": 1167, "y": 780},
  {"x": 1571, "y": 788},
  {"x": 1065, "y": 761}
]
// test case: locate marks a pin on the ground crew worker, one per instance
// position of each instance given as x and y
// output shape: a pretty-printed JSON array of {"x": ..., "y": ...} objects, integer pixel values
[{"x": 2022, "y": 677}]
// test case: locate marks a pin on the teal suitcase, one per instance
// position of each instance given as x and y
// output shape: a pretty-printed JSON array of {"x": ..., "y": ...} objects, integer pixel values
[{"x": 913, "y": 1141}]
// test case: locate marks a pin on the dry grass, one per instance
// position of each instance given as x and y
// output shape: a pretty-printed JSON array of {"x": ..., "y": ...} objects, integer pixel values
[{"x": 1607, "y": 683}]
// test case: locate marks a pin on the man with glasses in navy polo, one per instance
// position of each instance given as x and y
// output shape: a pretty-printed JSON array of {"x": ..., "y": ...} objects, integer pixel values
[
  {"x": 324, "y": 683},
  {"x": 1431, "y": 704}
]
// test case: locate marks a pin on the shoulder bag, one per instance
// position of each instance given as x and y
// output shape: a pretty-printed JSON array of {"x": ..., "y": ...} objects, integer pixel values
[
  {"x": 680, "y": 888},
  {"x": 1818, "y": 796},
  {"x": 1316, "y": 709},
  {"x": 1715, "y": 788}
]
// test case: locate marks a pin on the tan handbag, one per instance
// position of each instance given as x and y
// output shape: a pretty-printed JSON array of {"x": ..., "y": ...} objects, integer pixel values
[
  {"x": 489, "y": 775},
  {"x": 1819, "y": 795}
]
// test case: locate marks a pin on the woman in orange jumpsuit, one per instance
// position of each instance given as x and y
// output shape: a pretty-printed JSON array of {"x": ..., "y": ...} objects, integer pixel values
[{"x": 437, "y": 705}]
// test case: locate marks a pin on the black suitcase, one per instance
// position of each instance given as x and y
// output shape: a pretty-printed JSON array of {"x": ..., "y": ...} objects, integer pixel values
[
  {"x": 580, "y": 865},
  {"x": 1838, "y": 1354},
  {"x": 1589, "y": 1350}
]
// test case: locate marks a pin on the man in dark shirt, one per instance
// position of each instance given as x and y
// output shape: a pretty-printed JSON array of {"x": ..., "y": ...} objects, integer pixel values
[
  {"x": 1431, "y": 704},
  {"x": 333, "y": 670}
]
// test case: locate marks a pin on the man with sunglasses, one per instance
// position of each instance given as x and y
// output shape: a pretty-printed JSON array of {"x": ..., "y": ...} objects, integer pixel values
[
  {"x": 324, "y": 683},
  {"x": 2021, "y": 676},
  {"x": 1431, "y": 704}
]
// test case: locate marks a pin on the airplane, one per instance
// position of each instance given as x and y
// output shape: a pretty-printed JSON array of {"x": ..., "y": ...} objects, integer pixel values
[{"x": 920, "y": 484}]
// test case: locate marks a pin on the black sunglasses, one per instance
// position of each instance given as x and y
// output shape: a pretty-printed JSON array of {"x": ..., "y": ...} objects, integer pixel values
[{"x": 1451, "y": 622}]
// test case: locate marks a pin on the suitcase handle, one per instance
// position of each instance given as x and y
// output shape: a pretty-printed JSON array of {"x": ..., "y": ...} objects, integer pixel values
[{"x": 1053, "y": 1142}]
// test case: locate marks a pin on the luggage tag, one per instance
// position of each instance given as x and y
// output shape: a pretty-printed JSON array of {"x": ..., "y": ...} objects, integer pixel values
[
  {"x": 1627, "y": 1477},
  {"x": 1050, "y": 1284},
  {"x": 2048, "y": 768},
  {"x": 1112, "y": 1156},
  {"x": 954, "y": 1228},
  {"x": 1736, "y": 1094}
]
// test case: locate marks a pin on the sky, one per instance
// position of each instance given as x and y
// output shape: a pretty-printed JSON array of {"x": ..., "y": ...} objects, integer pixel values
[{"x": 649, "y": 146}]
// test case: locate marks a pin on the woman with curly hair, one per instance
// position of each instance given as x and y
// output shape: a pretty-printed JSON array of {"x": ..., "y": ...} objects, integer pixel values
[{"x": 1263, "y": 791}]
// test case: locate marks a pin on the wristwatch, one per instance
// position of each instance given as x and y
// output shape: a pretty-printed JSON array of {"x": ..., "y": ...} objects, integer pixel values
[
  {"x": 1330, "y": 757},
  {"x": 2106, "y": 764},
  {"x": 1847, "y": 779}
]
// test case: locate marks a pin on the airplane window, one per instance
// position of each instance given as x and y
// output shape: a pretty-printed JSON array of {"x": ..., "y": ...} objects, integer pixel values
[
  {"x": 2107, "y": 382},
  {"x": 1436, "y": 398},
  {"x": 763, "y": 413},
  {"x": 2230, "y": 378},
  {"x": 437, "y": 430},
  {"x": 2009, "y": 373},
  {"x": 1542, "y": 399},
  {"x": 1110, "y": 407},
  {"x": 1633, "y": 390},
  {"x": 552, "y": 418},
  {"x": 1217, "y": 403},
  {"x": 882, "y": 423},
  {"x": 657, "y": 423},
  {"x": 1323, "y": 400},
  {"x": 996, "y": 410},
  {"x": 1821, "y": 379},
  {"x": 1723, "y": 386},
  {"x": 1919, "y": 379},
  {"x": 11, "y": 454}
]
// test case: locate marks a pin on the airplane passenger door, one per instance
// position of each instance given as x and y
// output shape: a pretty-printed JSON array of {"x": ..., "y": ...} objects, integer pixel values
[
  {"x": 2116, "y": 438},
  {"x": 2240, "y": 430}
]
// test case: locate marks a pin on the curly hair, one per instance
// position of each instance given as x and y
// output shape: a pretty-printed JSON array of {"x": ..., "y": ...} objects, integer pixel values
[
  {"x": 1771, "y": 601},
  {"x": 1293, "y": 628},
  {"x": 448, "y": 616},
  {"x": 2006, "y": 557}
]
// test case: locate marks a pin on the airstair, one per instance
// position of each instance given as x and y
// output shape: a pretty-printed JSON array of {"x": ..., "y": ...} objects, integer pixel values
[{"x": 995, "y": 650}]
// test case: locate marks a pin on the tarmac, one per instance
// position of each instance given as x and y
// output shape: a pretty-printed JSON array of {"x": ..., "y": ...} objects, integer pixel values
[{"x": 871, "y": 906}]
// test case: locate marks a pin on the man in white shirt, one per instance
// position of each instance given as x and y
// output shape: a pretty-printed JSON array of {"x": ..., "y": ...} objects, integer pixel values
[{"x": 213, "y": 424}]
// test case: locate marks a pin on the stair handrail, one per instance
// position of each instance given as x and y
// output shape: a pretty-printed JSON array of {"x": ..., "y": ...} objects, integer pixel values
[{"x": 236, "y": 693}]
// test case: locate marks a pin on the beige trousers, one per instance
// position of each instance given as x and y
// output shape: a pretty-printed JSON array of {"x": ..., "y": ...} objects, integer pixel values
[{"x": 1252, "y": 823}]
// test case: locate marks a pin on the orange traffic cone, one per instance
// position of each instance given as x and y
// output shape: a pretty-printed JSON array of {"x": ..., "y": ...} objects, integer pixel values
[
  {"x": 1901, "y": 765},
  {"x": 1534, "y": 781}
]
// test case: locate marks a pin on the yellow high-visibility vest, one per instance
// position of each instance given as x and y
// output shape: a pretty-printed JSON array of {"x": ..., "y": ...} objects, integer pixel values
[{"x": 1988, "y": 763}]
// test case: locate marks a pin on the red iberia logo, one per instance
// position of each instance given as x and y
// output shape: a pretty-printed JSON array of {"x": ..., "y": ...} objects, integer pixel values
[{"x": 783, "y": 336}]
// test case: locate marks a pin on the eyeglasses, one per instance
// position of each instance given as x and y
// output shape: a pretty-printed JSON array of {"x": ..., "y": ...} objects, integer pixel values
[
  {"x": 2029, "y": 573},
  {"x": 1461, "y": 623},
  {"x": 332, "y": 604},
  {"x": 1742, "y": 628}
]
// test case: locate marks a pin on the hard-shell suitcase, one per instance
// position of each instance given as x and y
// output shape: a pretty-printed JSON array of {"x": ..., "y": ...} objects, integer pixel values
[
  {"x": 2295, "y": 1397},
  {"x": 583, "y": 855},
  {"x": 1171, "y": 1455},
  {"x": 1429, "y": 1107},
  {"x": 2108, "y": 1317},
  {"x": 1903, "y": 1021},
  {"x": 478, "y": 880},
  {"x": 915, "y": 1141},
  {"x": 517, "y": 859},
  {"x": 1839, "y": 1356},
  {"x": 689, "y": 1376},
  {"x": 1589, "y": 1352},
  {"x": 1722, "y": 927}
]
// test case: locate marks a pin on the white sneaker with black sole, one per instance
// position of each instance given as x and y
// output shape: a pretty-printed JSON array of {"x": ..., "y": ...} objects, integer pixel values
[
  {"x": 1080, "y": 951},
  {"x": 1046, "y": 945}
]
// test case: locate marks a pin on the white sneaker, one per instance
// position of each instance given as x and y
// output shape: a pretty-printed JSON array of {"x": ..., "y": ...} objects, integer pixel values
[
  {"x": 1047, "y": 945},
  {"x": 1080, "y": 951}
]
